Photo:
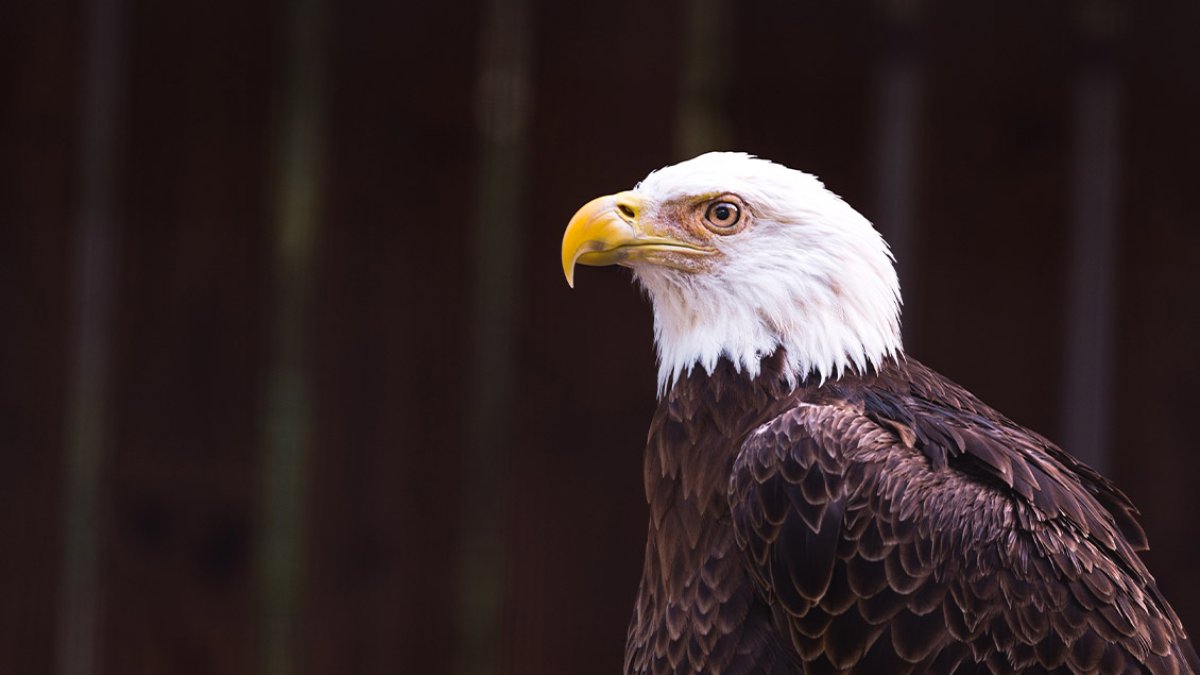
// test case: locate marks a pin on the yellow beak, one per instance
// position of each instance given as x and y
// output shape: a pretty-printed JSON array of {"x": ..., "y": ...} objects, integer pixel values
[{"x": 607, "y": 231}]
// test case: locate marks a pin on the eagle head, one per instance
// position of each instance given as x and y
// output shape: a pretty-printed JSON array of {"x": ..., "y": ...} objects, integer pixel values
[{"x": 742, "y": 257}]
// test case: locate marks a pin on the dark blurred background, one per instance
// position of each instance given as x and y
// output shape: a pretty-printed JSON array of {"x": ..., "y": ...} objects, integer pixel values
[{"x": 292, "y": 382}]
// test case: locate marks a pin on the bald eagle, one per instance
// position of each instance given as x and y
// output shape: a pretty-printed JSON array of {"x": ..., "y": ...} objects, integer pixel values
[{"x": 820, "y": 502}]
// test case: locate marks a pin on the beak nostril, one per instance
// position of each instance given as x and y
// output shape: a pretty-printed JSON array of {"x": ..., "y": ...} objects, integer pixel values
[{"x": 627, "y": 211}]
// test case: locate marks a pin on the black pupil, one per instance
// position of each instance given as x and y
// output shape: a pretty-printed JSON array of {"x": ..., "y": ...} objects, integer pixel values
[{"x": 722, "y": 212}]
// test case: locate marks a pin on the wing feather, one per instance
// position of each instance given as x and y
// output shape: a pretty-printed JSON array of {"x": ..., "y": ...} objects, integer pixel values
[{"x": 898, "y": 535}]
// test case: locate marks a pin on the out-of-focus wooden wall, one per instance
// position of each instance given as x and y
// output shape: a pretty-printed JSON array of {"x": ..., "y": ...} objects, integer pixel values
[{"x": 975, "y": 109}]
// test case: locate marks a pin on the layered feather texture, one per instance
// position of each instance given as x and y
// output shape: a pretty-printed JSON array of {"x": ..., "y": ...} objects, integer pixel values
[{"x": 884, "y": 523}]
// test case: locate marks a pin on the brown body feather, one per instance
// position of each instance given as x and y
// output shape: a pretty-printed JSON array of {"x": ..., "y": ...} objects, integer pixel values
[{"x": 883, "y": 523}]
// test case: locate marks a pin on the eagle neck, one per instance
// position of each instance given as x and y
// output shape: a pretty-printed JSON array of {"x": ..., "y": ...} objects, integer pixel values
[
  {"x": 691, "y": 556},
  {"x": 704, "y": 417}
]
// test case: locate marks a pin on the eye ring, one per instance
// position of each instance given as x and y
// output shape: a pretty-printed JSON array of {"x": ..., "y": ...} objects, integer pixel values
[{"x": 723, "y": 215}]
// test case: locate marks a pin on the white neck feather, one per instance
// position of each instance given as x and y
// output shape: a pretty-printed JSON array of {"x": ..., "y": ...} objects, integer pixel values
[{"x": 813, "y": 278}]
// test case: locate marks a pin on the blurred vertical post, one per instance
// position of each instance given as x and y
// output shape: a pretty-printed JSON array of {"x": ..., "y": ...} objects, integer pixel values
[
  {"x": 700, "y": 119},
  {"x": 1089, "y": 353},
  {"x": 287, "y": 432},
  {"x": 502, "y": 109},
  {"x": 96, "y": 245},
  {"x": 898, "y": 85}
]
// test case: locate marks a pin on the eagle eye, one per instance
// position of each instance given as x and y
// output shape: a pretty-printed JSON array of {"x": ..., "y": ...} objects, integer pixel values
[{"x": 723, "y": 215}]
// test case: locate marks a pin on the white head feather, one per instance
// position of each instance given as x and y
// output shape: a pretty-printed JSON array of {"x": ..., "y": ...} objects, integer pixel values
[{"x": 809, "y": 275}]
